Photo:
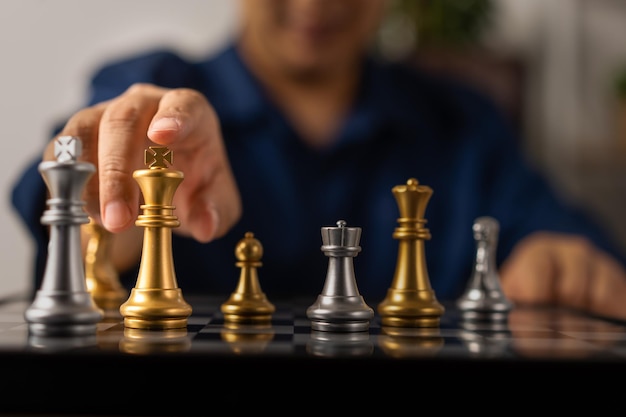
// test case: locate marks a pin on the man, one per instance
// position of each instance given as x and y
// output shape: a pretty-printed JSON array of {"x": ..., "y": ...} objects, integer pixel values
[{"x": 294, "y": 127}]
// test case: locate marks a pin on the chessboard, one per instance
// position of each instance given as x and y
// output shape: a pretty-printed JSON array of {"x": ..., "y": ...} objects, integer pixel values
[
  {"x": 223, "y": 365},
  {"x": 527, "y": 333}
]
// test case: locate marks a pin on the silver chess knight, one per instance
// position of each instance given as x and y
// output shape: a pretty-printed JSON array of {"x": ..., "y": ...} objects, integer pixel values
[
  {"x": 483, "y": 298},
  {"x": 340, "y": 307},
  {"x": 63, "y": 306}
]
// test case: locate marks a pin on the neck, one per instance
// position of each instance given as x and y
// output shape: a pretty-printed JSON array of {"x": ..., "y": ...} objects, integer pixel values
[{"x": 314, "y": 100}]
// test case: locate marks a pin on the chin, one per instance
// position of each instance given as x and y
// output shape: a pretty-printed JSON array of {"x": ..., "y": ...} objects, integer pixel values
[
  {"x": 311, "y": 64},
  {"x": 308, "y": 72}
]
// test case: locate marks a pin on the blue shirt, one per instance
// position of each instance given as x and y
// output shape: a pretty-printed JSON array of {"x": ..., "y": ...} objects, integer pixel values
[{"x": 404, "y": 124}]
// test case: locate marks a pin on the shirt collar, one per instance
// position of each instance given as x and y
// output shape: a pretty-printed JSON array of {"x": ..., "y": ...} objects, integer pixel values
[
  {"x": 239, "y": 98},
  {"x": 384, "y": 103},
  {"x": 236, "y": 94}
]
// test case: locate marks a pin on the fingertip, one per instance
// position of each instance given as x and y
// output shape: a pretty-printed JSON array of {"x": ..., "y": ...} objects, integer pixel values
[
  {"x": 164, "y": 128},
  {"x": 205, "y": 223},
  {"x": 116, "y": 216},
  {"x": 164, "y": 124}
]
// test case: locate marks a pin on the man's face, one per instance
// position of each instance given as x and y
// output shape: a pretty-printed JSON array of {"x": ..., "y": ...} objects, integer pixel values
[{"x": 311, "y": 35}]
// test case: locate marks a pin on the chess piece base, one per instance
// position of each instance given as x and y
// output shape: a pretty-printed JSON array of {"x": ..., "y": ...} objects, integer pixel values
[
  {"x": 239, "y": 318},
  {"x": 345, "y": 326},
  {"x": 483, "y": 305},
  {"x": 340, "y": 314},
  {"x": 398, "y": 321},
  {"x": 491, "y": 325},
  {"x": 63, "y": 314},
  {"x": 155, "y": 324},
  {"x": 485, "y": 316},
  {"x": 156, "y": 309},
  {"x": 246, "y": 307},
  {"x": 63, "y": 329},
  {"x": 410, "y": 308}
]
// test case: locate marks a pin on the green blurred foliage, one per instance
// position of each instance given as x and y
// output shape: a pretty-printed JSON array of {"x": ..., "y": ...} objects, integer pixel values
[
  {"x": 620, "y": 84},
  {"x": 446, "y": 22}
]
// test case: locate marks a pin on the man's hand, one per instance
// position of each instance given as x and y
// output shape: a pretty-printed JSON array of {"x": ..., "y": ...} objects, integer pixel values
[
  {"x": 116, "y": 133},
  {"x": 550, "y": 268}
]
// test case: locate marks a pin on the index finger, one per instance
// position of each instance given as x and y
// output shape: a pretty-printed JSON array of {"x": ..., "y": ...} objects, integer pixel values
[{"x": 122, "y": 140}]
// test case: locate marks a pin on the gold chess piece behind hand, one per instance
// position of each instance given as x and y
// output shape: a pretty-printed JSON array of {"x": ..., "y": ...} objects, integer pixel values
[
  {"x": 102, "y": 278},
  {"x": 156, "y": 302}
]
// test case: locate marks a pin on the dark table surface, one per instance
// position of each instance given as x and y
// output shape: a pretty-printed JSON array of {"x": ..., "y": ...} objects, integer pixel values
[{"x": 212, "y": 369}]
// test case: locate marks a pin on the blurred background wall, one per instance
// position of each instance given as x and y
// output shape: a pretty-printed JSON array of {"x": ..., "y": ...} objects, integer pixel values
[{"x": 557, "y": 68}]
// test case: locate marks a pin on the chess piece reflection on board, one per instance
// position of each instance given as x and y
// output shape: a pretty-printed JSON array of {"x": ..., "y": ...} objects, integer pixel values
[
  {"x": 339, "y": 344},
  {"x": 248, "y": 304},
  {"x": 410, "y": 300},
  {"x": 498, "y": 343},
  {"x": 61, "y": 343},
  {"x": 483, "y": 299},
  {"x": 145, "y": 342},
  {"x": 411, "y": 342},
  {"x": 340, "y": 307},
  {"x": 102, "y": 277},
  {"x": 247, "y": 338},
  {"x": 156, "y": 302},
  {"x": 62, "y": 305}
]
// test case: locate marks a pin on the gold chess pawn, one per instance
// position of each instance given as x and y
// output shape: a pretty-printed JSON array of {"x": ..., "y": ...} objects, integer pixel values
[
  {"x": 156, "y": 302},
  {"x": 248, "y": 303},
  {"x": 410, "y": 301},
  {"x": 102, "y": 279}
]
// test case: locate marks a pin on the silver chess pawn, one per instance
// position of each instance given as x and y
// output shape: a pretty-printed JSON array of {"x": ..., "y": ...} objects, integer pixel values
[
  {"x": 483, "y": 298},
  {"x": 340, "y": 307},
  {"x": 63, "y": 306}
]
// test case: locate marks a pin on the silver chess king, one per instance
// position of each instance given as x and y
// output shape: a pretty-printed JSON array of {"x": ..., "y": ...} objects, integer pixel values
[{"x": 63, "y": 306}]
